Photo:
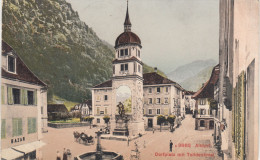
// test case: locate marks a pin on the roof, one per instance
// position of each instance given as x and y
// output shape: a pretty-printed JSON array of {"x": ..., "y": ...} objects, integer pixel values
[
  {"x": 133, "y": 58},
  {"x": 23, "y": 73},
  {"x": 207, "y": 90},
  {"x": 127, "y": 38},
  {"x": 127, "y": 19},
  {"x": 154, "y": 78},
  {"x": 104, "y": 84},
  {"x": 189, "y": 92},
  {"x": 88, "y": 102},
  {"x": 56, "y": 108}
]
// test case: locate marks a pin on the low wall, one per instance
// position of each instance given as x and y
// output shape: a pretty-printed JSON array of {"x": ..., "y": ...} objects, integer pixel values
[{"x": 67, "y": 125}]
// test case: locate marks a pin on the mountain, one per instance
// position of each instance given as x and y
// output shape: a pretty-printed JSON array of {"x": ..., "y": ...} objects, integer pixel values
[
  {"x": 192, "y": 75},
  {"x": 57, "y": 46},
  {"x": 194, "y": 83}
]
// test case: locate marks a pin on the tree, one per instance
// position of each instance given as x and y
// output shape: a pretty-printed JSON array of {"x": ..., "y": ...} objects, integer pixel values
[
  {"x": 171, "y": 119},
  {"x": 160, "y": 120},
  {"x": 106, "y": 119},
  {"x": 89, "y": 119}
]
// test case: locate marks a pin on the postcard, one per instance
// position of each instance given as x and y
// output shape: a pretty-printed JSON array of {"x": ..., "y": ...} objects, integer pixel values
[{"x": 130, "y": 79}]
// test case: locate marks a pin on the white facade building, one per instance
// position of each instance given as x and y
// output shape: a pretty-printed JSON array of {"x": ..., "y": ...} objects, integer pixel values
[{"x": 23, "y": 109}]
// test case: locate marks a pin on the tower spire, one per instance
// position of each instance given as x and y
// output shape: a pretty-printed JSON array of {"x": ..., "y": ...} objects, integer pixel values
[{"x": 127, "y": 24}]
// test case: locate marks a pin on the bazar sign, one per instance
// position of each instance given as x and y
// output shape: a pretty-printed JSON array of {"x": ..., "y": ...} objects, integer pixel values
[{"x": 15, "y": 140}]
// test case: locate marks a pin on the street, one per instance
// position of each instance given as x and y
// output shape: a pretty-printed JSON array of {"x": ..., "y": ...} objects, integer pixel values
[{"x": 188, "y": 143}]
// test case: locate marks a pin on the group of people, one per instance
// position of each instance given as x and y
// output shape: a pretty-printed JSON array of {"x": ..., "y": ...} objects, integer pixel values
[{"x": 66, "y": 155}]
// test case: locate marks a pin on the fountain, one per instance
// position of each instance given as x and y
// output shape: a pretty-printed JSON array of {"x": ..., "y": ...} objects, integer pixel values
[{"x": 99, "y": 154}]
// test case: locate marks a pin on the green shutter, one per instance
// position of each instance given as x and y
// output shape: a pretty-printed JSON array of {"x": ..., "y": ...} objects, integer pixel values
[
  {"x": 17, "y": 127},
  {"x": 35, "y": 97},
  {"x": 32, "y": 128},
  {"x": 25, "y": 97},
  {"x": 10, "y": 95},
  {"x": 22, "y": 95},
  {"x": 3, "y": 94},
  {"x": 3, "y": 129}
]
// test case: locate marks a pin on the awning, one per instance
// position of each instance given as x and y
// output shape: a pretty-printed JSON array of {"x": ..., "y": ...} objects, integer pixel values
[
  {"x": 10, "y": 154},
  {"x": 29, "y": 147}
]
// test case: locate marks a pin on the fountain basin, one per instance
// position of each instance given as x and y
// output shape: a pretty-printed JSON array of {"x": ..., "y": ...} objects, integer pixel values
[{"x": 106, "y": 155}]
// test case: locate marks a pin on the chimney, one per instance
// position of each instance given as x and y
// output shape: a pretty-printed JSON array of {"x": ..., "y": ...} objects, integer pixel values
[{"x": 155, "y": 69}]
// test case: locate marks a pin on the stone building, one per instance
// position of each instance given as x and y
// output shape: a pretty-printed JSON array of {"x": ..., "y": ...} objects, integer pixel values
[
  {"x": 204, "y": 119},
  {"x": 23, "y": 109},
  {"x": 239, "y": 79},
  {"x": 144, "y": 95},
  {"x": 84, "y": 108}
]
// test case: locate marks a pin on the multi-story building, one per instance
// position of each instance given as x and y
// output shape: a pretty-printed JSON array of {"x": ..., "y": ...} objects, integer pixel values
[
  {"x": 161, "y": 97},
  {"x": 189, "y": 102},
  {"x": 23, "y": 109},
  {"x": 204, "y": 119},
  {"x": 239, "y": 79}
]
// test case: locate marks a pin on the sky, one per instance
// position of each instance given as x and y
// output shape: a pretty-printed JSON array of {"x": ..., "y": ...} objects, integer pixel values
[{"x": 172, "y": 32}]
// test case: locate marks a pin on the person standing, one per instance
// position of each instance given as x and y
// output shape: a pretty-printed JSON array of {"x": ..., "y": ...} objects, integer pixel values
[
  {"x": 58, "y": 156},
  {"x": 65, "y": 156},
  {"x": 171, "y": 145}
]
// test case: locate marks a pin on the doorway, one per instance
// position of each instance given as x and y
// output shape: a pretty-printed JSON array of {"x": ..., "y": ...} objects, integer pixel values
[{"x": 150, "y": 123}]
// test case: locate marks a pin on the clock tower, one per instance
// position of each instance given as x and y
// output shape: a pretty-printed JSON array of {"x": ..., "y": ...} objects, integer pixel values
[{"x": 127, "y": 79}]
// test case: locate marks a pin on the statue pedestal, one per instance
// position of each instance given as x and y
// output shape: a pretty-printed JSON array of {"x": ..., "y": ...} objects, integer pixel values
[{"x": 121, "y": 128}]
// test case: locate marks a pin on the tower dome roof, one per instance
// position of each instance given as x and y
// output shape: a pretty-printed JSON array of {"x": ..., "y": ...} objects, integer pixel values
[{"x": 127, "y": 38}]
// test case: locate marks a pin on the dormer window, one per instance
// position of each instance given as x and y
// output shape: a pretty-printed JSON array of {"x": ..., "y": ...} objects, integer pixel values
[{"x": 11, "y": 64}]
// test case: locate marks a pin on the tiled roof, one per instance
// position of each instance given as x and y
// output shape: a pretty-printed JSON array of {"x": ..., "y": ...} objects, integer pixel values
[
  {"x": 23, "y": 73},
  {"x": 56, "y": 108},
  {"x": 127, "y": 38},
  {"x": 104, "y": 84},
  {"x": 153, "y": 78},
  {"x": 207, "y": 90}
]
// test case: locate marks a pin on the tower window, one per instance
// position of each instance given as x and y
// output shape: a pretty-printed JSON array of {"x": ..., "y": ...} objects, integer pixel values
[
  {"x": 124, "y": 67},
  {"x": 11, "y": 64},
  {"x": 138, "y": 53},
  {"x": 139, "y": 68},
  {"x": 126, "y": 52},
  {"x": 121, "y": 53}
]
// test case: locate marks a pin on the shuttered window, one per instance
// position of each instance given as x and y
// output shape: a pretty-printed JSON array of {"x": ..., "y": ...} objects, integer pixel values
[
  {"x": 10, "y": 95},
  {"x": 32, "y": 125},
  {"x": 3, "y": 128},
  {"x": 17, "y": 127},
  {"x": 2, "y": 94}
]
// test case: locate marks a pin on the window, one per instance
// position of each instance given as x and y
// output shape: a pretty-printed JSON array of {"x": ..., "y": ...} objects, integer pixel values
[
  {"x": 11, "y": 64},
  {"x": 135, "y": 67},
  {"x": 150, "y": 111},
  {"x": 32, "y": 125},
  {"x": 16, "y": 96},
  {"x": 124, "y": 67},
  {"x": 158, "y": 100},
  {"x": 202, "y": 101},
  {"x": 98, "y": 111},
  {"x": 121, "y": 53},
  {"x": 150, "y": 90},
  {"x": 105, "y": 97},
  {"x": 106, "y": 110},
  {"x": 98, "y": 120},
  {"x": 3, "y": 129},
  {"x": 158, "y": 111},
  {"x": 17, "y": 127},
  {"x": 158, "y": 89},
  {"x": 41, "y": 109},
  {"x": 113, "y": 69},
  {"x": 138, "y": 53},
  {"x": 139, "y": 68},
  {"x": 202, "y": 111},
  {"x": 166, "y": 100},
  {"x": 167, "y": 89},
  {"x": 150, "y": 100},
  {"x": 30, "y": 97},
  {"x": 124, "y": 52}
]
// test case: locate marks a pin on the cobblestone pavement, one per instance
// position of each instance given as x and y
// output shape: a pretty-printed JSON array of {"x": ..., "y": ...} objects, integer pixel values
[{"x": 152, "y": 146}]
